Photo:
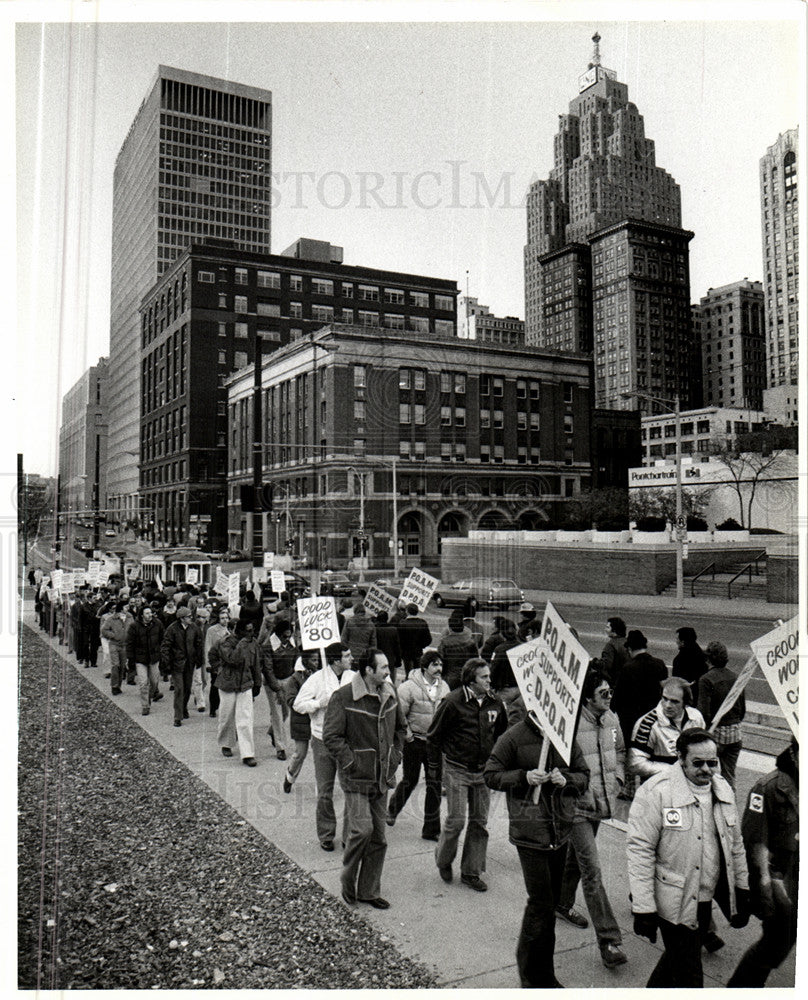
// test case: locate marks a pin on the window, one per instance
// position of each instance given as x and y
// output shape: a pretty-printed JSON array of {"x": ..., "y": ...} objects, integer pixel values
[
  {"x": 419, "y": 379},
  {"x": 368, "y": 293},
  {"x": 420, "y": 413},
  {"x": 393, "y": 321},
  {"x": 322, "y": 314},
  {"x": 404, "y": 413},
  {"x": 499, "y": 454},
  {"x": 499, "y": 386},
  {"x": 485, "y": 419},
  {"x": 460, "y": 383},
  {"x": 206, "y": 277},
  {"x": 420, "y": 299},
  {"x": 444, "y": 302},
  {"x": 221, "y": 439},
  {"x": 534, "y": 390},
  {"x": 460, "y": 452},
  {"x": 368, "y": 318},
  {"x": 347, "y": 316},
  {"x": 445, "y": 451},
  {"x": 296, "y": 310},
  {"x": 240, "y": 329},
  {"x": 269, "y": 309},
  {"x": 499, "y": 419},
  {"x": 295, "y": 283},
  {"x": 359, "y": 376},
  {"x": 239, "y": 359},
  {"x": 222, "y": 301},
  {"x": 485, "y": 453},
  {"x": 269, "y": 279},
  {"x": 241, "y": 275},
  {"x": 445, "y": 382},
  {"x": 534, "y": 456},
  {"x": 221, "y": 408},
  {"x": 485, "y": 385},
  {"x": 222, "y": 329},
  {"x": 521, "y": 455},
  {"x": 446, "y": 416},
  {"x": 460, "y": 416},
  {"x": 568, "y": 426},
  {"x": 322, "y": 286},
  {"x": 359, "y": 446},
  {"x": 445, "y": 327},
  {"x": 521, "y": 421},
  {"x": 359, "y": 411},
  {"x": 394, "y": 296},
  {"x": 521, "y": 388},
  {"x": 403, "y": 378},
  {"x": 347, "y": 290},
  {"x": 222, "y": 357},
  {"x": 240, "y": 303},
  {"x": 404, "y": 449},
  {"x": 568, "y": 387},
  {"x": 534, "y": 421},
  {"x": 420, "y": 455}
]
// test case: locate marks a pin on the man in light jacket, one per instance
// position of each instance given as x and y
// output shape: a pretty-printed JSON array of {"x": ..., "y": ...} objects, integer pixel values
[
  {"x": 684, "y": 849},
  {"x": 114, "y": 629},
  {"x": 653, "y": 742}
]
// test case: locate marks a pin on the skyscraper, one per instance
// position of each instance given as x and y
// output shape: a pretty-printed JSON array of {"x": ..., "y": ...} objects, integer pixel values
[
  {"x": 195, "y": 163},
  {"x": 606, "y": 262},
  {"x": 779, "y": 229}
]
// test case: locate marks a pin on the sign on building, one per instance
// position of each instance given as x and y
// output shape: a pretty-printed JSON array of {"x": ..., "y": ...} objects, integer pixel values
[{"x": 418, "y": 588}]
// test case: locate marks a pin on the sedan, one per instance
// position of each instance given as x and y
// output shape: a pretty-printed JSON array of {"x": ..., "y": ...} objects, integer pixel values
[
  {"x": 482, "y": 592},
  {"x": 336, "y": 585}
]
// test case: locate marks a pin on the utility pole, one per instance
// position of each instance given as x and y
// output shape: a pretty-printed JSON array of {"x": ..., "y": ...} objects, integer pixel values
[
  {"x": 395, "y": 523},
  {"x": 257, "y": 457}
]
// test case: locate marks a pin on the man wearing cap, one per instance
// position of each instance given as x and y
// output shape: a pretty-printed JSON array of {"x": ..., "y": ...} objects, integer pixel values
[
  {"x": 181, "y": 653},
  {"x": 526, "y": 613}
]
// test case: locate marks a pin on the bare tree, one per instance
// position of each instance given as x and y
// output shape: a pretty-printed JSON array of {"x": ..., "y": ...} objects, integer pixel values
[
  {"x": 661, "y": 502},
  {"x": 746, "y": 471}
]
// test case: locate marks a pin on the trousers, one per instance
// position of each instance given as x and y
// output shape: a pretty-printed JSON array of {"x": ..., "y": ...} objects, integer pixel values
[
  {"x": 365, "y": 843},
  {"x": 769, "y": 952},
  {"x": 583, "y": 865},
  {"x": 181, "y": 679},
  {"x": 542, "y": 871},
  {"x": 464, "y": 790},
  {"x": 148, "y": 675},
  {"x": 415, "y": 757},
  {"x": 325, "y": 773},
  {"x": 236, "y": 721},
  {"x": 680, "y": 965}
]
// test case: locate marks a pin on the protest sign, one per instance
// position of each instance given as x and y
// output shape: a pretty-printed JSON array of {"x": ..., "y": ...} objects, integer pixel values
[
  {"x": 277, "y": 580},
  {"x": 777, "y": 653},
  {"x": 377, "y": 599},
  {"x": 68, "y": 581},
  {"x": 317, "y": 618},
  {"x": 418, "y": 588},
  {"x": 192, "y": 576},
  {"x": 269, "y": 560},
  {"x": 57, "y": 580},
  {"x": 221, "y": 582},
  {"x": 158, "y": 581},
  {"x": 93, "y": 569},
  {"x": 743, "y": 678},
  {"x": 550, "y": 672},
  {"x": 103, "y": 576},
  {"x": 233, "y": 591}
]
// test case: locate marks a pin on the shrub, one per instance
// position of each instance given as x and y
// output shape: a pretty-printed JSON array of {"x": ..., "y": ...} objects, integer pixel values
[
  {"x": 729, "y": 525},
  {"x": 651, "y": 524},
  {"x": 696, "y": 524}
]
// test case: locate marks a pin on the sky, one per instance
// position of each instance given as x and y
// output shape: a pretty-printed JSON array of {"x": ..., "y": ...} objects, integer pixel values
[{"x": 409, "y": 144}]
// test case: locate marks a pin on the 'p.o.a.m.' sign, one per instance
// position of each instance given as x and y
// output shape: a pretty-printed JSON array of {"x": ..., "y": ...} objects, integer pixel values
[{"x": 317, "y": 618}]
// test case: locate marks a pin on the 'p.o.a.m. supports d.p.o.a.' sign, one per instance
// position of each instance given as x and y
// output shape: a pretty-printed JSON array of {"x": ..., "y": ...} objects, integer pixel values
[
  {"x": 418, "y": 588},
  {"x": 550, "y": 672},
  {"x": 317, "y": 618}
]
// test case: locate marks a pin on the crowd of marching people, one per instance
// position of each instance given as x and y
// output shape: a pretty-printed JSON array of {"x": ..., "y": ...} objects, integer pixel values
[{"x": 391, "y": 702}]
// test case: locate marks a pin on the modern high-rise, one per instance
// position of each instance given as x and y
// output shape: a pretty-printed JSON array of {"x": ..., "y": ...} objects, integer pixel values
[
  {"x": 606, "y": 260},
  {"x": 195, "y": 163},
  {"x": 729, "y": 324},
  {"x": 780, "y": 233}
]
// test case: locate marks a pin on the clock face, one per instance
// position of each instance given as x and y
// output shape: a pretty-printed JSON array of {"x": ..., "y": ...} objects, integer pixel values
[{"x": 587, "y": 79}]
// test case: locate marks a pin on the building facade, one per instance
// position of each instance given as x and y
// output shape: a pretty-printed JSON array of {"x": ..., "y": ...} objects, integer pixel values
[
  {"x": 195, "y": 162},
  {"x": 366, "y": 428},
  {"x": 779, "y": 213},
  {"x": 729, "y": 323},
  {"x": 477, "y": 322},
  {"x": 200, "y": 323},
  {"x": 701, "y": 430},
  {"x": 781, "y": 404},
  {"x": 83, "y": 442}
]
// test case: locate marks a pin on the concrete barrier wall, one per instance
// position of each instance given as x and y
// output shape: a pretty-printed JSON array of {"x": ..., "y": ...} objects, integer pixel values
[{"x": 628, "y": 569}]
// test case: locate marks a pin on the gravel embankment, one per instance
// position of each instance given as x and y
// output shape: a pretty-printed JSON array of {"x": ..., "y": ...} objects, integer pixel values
[{"x": 133, "y": 874}]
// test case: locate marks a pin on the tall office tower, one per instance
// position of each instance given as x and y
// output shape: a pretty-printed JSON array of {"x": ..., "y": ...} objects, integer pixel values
[
  {"x": 780, "y": 232},
  {"x": 729, "y": 324},
  {"x": 605, "y": 254},
  {"x": 83, "y": 442},
  {"x": 195, "y": 163}
]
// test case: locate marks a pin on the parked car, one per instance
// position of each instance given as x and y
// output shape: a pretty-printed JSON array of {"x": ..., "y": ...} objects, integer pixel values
[
  {"x": 337, "y": 585},
  {"x": 296, "y": 586},
  {"x": 480, "y": 592},
  {"x": 235, "y": 555},
  {"x": 109, "y": 533}
]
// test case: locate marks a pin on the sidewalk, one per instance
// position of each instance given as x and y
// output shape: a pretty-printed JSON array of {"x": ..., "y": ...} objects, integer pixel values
[{"x": 468, "y": 938}]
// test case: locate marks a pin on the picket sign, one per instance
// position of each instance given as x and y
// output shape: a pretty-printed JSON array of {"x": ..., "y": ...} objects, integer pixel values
[
  {"x": 269, "y": 560},
  {"x": 233, "y": 590},
  {"x": 317, "y": 618},
  {"x": 158, "y": 581},
  {"x": 278, "y": 580},
  {"x": 93, "y": 569},
  {"x": 418, "y": 588},
  {"x": 778, "y": 653},
  {"x": 743, "y": 678},
  {"x": 57, "y": 580},
  {"x": 221, "y": 582},
  {"x": 377, "y": 599},
  {"x": 68, "y": 581},
  {"x": 192, "y": 576}
]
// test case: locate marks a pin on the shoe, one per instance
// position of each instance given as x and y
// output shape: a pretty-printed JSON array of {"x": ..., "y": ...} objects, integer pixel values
[
  {"x": 201, "y": 708},
  {"x": 86, "y": 666},
  {"x": 227, "y": 752},
  {"x": 213, "y": 715},
  {"x": 474, "y": 882},
  {"x": 287, "y": 784},
  {"x": 185, "y": 715},
  {"x": 612, "y": 955},
  {"x": 350, "y": 900},
  {"x": 390, "y": 820},
  {"x": 572, "y": 916},
  {"x": 446, "y": 873},
  {"x": 156, "y": 697},
  {"x": 712, "y": 942},
  {"x": 117, "y": 691},
  {"x": 106, "y": 676},
  {"x": 281, "y": 755},
  {"x": 177, "y": 723},
  {"x": 144, "y": 711},
  {"x": 130, "y": 682},
  {"x": 430, "y": 836},
  {"x": 249, "y": 761},
  {"x": 378, "y": 903},
  {"x": 327, "y": 845}
]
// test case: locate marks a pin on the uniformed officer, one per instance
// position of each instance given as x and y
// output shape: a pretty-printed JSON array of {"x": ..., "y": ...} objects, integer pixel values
[{"x": 771, "y": 834}]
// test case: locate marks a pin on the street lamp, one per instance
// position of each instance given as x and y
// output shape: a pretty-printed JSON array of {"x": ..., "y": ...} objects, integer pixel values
[{"x": 673, "y": 406}]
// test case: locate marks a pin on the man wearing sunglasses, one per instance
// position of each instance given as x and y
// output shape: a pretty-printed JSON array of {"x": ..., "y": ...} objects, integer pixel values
[{"x": 685, "y": 849}]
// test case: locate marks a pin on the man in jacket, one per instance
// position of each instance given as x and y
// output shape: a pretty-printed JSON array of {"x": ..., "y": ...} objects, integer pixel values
[
  {"x": 636, "y": 690},
  {"x": 455, "y": 647},
  {"x": 359, "y": 632},
  {"x": 238, "y": 679},
  {"x": 503, "y": 681},
  {"x": 364, "y": 731},
  {"x": 771, "y": 829},
  {"x": 279, "y": 655},
  {"x": 601, "y": 742},
  {"x": 615, "y": 656},
  {"x": 387, "y": 642},
  {"x": 713, "y": 687},
  {"x": 114, "y": 630},
  {"x": 684, "y": 848},
  {"x": 312, "y": 700},
  {"x": 181, "y": 652},
  {"x": 143, "y": 641},
  {"x": 653, "y": 742},
  {"x": 466, "y": 725},
  {"x": 541, "y": 807},
  {"x": 413, "y": 636}
]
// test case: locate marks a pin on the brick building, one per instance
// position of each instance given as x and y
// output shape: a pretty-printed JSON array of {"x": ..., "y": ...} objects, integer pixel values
[{"x": 83, "y": 442}]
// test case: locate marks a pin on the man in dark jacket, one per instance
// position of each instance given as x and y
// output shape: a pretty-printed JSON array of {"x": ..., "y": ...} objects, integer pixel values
[
  {"x": 413, "y": 636},
  {"x": 238, "y": 679},
  {"x": 387, "y": 642},
  {"x": 464, "y": 729},
  {"x": 637, "y": 689},
  {"x": 615, "y": 656},
  {"x": 454, "y": 648},
  {"x": 180, "y": 653},
  {"x": 364, "y": 730},
  {"x": 279, "y": 654},
  {"x": 143, "y": 641},
  {"x": 690, "y": 662},
  {"x": 503, "y": 681},
  {"x": 713, "y": 688},
  {"x": 541, "y": 807}
]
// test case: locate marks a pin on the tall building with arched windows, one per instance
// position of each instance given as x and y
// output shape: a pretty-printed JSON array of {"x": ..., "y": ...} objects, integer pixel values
[{"x": 780, "y": 233}]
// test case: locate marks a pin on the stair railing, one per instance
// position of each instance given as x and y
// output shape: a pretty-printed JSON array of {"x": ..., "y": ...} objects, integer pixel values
[
  {"x": 710, "y": 567},
  {"x": 746, "y": 569}
]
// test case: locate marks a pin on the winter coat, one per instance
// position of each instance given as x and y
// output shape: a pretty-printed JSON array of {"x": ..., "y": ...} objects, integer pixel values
[
  {"x": 313, "y": 697},
  {"x": 490, "y": 644},
  {"x": 615, "y": 657},
  {"x": 181, "y": 649},
  {"x": 664, "y": 848},
  {"x": 653, "y": 742},
  {"x": 601, "y": 741},
  {"x": 278, "y": 664},
  {"x": 690, "y": 663},
  {"x": 365, "y": 734},
  {"x": 299, "y": 723},
  {"x": 115, "y": 629},
  {"x": 417, "y": 707},
  {"x": 464, "y": 730},
  {"x": 454, "y": 649},
  {"x": 713, "y": 688},
  {"x": 143, "y": 642},
  {"x": 358, "y": 634},
  {"x": 252, "y": 614},
  {"x": 501, "y": 670},
  {"x": 543, "y": 825},
  {"x": 637, "y": 690},
  {"x": 213, "y": 637},
  {"x": 413, "y": 637},
  {"x": 239, "y": 665},
  {"x": 387, "y": 642}
]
